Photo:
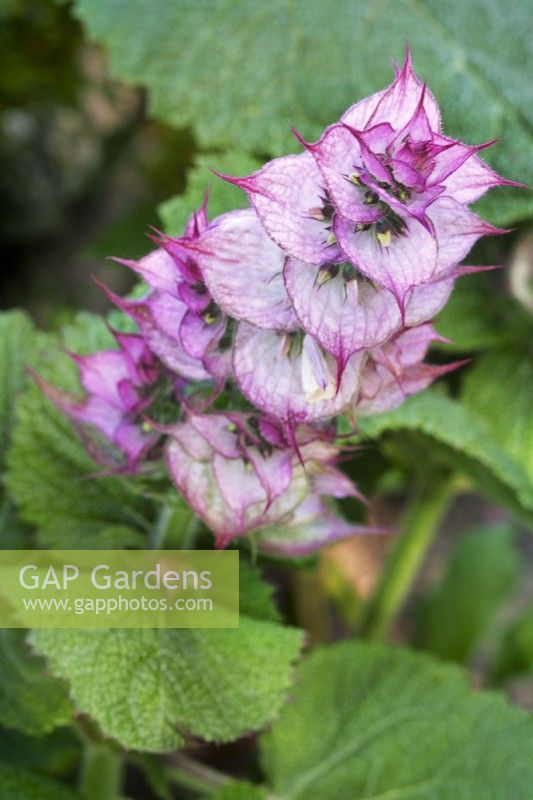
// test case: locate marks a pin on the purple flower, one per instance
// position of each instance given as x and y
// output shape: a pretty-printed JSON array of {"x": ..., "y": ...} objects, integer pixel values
[
  {"x": 243, "y": 270},
  {"x": 313, "y": 524},
  {"x": 160, "y": 318},
  {"x": 120, "y": 388},
  {"x": 395, "y": 371},
  {"x": 384, "y": 190},
  {"x": 178, "y": 317},
  {"x": 240, "y": 473},
  {"x": 288, "y": 375}
]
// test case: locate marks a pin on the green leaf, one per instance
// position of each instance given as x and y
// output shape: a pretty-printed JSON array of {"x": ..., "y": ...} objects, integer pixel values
[
  {"x": 17, "y": 785},
  {"x": 244, "y": 72},
  {"x": 370, "y": 722},
  {"x": 30, "y": 701},
  {"x": 51, "y": 477},
  {"x": 455, "y": 437},
  {"x": 499, "y": 389},
  {"x": 223, "y": 196},
  {"x": 479, "y": 315},
  {"x": 20, "y": 345},
  {"x": 481, "y": 572},
  {"x": 516, "y": 652},
  {"x": 56, "y": 754},
  {"x": 256, "y": 595},
  {"x": 241, "y": 790},
  {"x": 150, "y": 688}
]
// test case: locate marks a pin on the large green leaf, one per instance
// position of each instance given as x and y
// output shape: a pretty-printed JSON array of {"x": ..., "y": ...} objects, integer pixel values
[
  {"x": 482, "y": 570},
  {"x": 51, "y": 477},
  {"x": 149, "y": 689},
  {"x": 447, "y": 432},
  {"x": 223, "y": 196},
  {"x": 499, "y": 390},
  {"x": 480, "y": 315},
  {"x": 20, "y": 346},
  {"x": 17, "y": 785},
  {"x": 242, "y": 71},
  {"x": 30, "y": 701},
  {"x": 371, "y": 722}
]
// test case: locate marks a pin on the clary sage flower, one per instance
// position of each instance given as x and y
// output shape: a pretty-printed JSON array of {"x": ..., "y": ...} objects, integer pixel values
[{"x": 317, "y": 300}]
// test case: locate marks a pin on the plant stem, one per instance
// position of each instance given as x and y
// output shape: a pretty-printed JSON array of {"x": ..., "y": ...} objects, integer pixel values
[
  {"x": 196, "y": 776},
  {"x": 420, "y": 528},
  {"x": 101, "y": 775}
]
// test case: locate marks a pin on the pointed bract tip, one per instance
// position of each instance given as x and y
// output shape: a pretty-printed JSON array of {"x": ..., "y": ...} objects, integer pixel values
[
  {"x": 247, "y": 183},
  {"x": 305, "y": 144},
  {"x": 407, "y": 62}
]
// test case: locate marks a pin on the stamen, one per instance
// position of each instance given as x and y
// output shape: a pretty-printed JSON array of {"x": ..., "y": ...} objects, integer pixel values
[
  {"x": 326, "y": 273},
  {"x": 371, "y": 198}
]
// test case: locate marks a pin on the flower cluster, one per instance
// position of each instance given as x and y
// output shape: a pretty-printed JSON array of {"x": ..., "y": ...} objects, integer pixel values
[{"x": 316, "y": 300}]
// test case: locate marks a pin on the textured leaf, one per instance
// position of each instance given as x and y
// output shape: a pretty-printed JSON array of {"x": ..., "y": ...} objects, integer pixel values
[
  {"x": 150, "y": 688},
  {"x": 482, "y": 570},
  {"x": 30, "y": 701},
  {"x": 223, "y": 196},
  {"x": 17, "y": 785},
  {"x": 455, "y": 437},
  {"x": 499, "y": 389},
  {"x": 371, "y": 722},
  {"x": 256, "y": 596},
  {"x": 19, "y": 348},
  {"x": 51, "y": 477},
  {"x": 242, "y": 71}
]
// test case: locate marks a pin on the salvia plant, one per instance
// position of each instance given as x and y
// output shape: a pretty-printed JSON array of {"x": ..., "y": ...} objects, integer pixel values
[
  {"x": 265, "y": 381},
  {"x": 318, "y": 300}
]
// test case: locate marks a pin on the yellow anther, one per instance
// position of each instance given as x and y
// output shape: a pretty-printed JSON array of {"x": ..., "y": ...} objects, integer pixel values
[
  {"x": 384, "y": 238},
  {"x": 317, "y": 213},
  {"x": 324, "y": 275}
]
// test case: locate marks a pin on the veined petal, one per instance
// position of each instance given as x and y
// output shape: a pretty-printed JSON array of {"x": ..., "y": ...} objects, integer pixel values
[
  {"x": 102, "y": 372},
  {"x": 328, "y": 481},
  {"x": 472, "y": 179},
  {"x": 425, "y": 301},
  {"x": 410, "y": 258},
  {"x": 135, "y": 443},
  {"x": 340, "y": 159},
  {"x": 277, "y": 381},
  {"x": 274, "y": 471},
  {"x": 216, "y": 430},
  {"x": 160, "y": 325},
  {"x": 395, "y": 104},
  {"x": 457, "y": 229},
  {"x": 312, "y": 527},
  {"x": 288, "y": 196},
  {"x": 343, "y": 315},
  {"x": 158, "y": 269},
  {"x": 393, "y": 392},
  {"x": 197, "y": 336},
  {"x": 243, "y": 270}
]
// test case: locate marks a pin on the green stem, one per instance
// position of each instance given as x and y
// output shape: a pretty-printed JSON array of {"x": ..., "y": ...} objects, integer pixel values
[
  {"x": 420, "y": 528},
  {"x": 196, "y": 776},
  {"x": 160, "y": 530},
  {"x": 101, "y": 775}
]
